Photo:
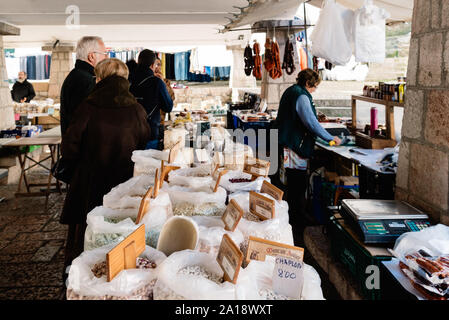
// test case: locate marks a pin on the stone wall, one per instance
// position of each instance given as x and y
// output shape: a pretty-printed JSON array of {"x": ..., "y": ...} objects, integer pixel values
[
  {"x": 423, "y": 177},
  {"x": 6, "y": 106},
  {"x": 195, "y": 95},
  {"x": 61, "y": 64}
]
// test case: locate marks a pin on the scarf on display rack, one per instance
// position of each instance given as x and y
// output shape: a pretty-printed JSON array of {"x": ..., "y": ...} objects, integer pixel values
[
  {"x": 288, "y": 63},
  {"x": 257, "y": 70},
  {"x": 249, "y": 61}
]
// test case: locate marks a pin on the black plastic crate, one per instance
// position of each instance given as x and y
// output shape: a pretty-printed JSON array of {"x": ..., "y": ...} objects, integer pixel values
[{"x": 355, "y": 257}]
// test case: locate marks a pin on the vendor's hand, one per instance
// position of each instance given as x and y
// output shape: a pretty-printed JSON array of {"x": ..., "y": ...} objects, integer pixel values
[
  {"x": 159, "y": 75},
  {"x": 337, "y": 140},
  {"x": 23, "y": 100}
]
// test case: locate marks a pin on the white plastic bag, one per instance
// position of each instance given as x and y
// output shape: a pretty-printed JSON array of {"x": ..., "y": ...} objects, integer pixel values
[
  {"x": 255, "y": 185},
  {"x": 262, "y": 274},
  {"x": 191, "y": 177},
  {"x": 369, "y": 33},
  {"x": 173, "y": 285},
  {"x": 131, "y": 284},
  {"x": 331, "y": 37},
  {"x": 147, "y": 161},
  {"x": 196, "y": 201},
  {"x": 105, "y": 225},
  {"x": 128, "y": 194},
  {"x": 277, "y": 229},
  {"x": 211, "y": 231}
]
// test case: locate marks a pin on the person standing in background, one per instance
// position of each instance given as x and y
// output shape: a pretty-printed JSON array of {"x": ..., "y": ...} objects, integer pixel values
[
  {"x": 22, "y": 90},
  {"x": 151, "y": 92},
  {"x": 157, "y": 69},
  {"x": 80, "y": 82}
]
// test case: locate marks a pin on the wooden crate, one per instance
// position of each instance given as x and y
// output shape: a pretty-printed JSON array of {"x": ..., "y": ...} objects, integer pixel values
[{"x": 364, "y": 141}]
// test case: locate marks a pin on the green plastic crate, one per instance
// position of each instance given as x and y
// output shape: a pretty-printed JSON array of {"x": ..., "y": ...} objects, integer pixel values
[{"x": 356, "y": 258}]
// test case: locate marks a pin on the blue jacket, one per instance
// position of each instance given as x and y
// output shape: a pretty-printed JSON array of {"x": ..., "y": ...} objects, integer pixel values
[{"x": 151, "y": 92}]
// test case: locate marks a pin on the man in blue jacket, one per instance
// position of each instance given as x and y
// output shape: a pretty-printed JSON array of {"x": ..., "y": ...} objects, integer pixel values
[{"x": 151, "y": 92}]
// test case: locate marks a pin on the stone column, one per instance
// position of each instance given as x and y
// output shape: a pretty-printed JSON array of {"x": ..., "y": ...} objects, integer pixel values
[
  {"x": 422, "y": 177},
  {"x": 6, "y": 103},
  {"x": 272, "y": 89},
  {"x": 239, "y": 80},
  {"x": 61, "y": 64}
]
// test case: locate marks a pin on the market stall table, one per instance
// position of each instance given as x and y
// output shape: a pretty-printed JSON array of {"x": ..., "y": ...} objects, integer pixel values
[{"x": 53, "y": 143}]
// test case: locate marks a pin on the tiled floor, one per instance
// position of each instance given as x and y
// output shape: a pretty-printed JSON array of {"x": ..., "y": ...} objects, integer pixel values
[{"x": 31, "y": 246}]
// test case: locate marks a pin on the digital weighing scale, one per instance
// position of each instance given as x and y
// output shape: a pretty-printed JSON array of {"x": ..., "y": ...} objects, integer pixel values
[{"x": 383, "y": 221}]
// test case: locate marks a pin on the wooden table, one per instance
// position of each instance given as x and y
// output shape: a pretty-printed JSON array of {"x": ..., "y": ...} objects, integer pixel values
[{"x": 54, "y": 145}]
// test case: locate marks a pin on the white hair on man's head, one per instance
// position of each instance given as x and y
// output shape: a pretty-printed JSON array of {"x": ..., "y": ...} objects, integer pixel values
[{"x": 87, "y": 45}]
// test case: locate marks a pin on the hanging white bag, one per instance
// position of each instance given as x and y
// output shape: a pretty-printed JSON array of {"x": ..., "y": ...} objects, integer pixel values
[
  {"x": 369, "y": 33},
  {"x": 131, "y": 284},
  {"x": 331, "y": 37}
]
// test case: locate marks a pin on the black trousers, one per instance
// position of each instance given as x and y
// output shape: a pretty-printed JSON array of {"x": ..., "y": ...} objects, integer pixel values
[
  {"x": 297, "y": 182},
  {"x": 74, "y": 245}
]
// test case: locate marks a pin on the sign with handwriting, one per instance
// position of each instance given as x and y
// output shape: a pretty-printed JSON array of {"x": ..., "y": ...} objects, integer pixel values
[
  {"x": 288, "y": 276},
  {"x": 258, "y": 248},
  {"x": 229, "y": 258},
  {"x": 272, "y": 190},
  {"x": 231, "y": 217},
  {"x": 261, "y": 206}
]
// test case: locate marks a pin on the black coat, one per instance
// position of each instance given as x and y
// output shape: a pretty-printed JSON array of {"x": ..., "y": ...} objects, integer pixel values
[
  {"x": 151, "y": 92},
  {"x": 22, "y": 90},
  {"x": 78, "y": 84},
  {"x": 107, "y": 127}
]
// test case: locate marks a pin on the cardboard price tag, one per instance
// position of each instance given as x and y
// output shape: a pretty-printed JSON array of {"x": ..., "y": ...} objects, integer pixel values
[
  {"x": 124, "y": 255},
  {"x": 231, "y": 217},
  {"x": 144, "y": 204},
  {"x": 217, "y": 184},
  {"x": 230, "y": 259},
  {"x": 257, "y": 167},
  {"x": 272, "y": 190},
  {"x": 156, "y": 185},
  {"x": 165, "y": 170},
  {"x": 258, "y": 248},
  {"x": 261, "y": 206},
  {"x": 288, "y": 277}
]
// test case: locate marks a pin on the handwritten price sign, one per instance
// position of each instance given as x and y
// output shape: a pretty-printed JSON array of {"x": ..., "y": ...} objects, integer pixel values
[{"x": 288, "y": 277}]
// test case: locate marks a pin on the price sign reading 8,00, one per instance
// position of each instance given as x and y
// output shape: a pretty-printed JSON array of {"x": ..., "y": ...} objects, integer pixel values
[
  {"x": 286, "y": 274},
  {"x": 288, "y": 277}
]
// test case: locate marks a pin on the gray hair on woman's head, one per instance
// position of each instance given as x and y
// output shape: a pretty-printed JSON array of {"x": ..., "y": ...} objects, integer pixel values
[{"x": 87, "y": 45}]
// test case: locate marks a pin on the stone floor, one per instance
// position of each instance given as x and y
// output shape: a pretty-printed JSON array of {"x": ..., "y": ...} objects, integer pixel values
[{"x": 31, "y": 246}]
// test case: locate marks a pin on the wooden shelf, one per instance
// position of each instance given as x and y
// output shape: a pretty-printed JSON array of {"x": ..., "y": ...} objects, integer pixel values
[
  {"x": 389, "y": 112},
  {"x": 379, "y": 101}
]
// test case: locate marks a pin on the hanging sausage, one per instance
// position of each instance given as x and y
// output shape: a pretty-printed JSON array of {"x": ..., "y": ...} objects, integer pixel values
[
  {"x": 257, "y": 70},
  {"x": 268, "y": 62},
  {"x": 288, "y": 65},
  {"x": 276, "y": 71},
  {"x": 249, "y": 62}
]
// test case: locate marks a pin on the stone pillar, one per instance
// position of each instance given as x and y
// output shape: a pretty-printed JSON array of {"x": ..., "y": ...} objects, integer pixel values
[
  {"x": 6, "y": 104},
  {"x": 272, "y": 89},
  {"x": 239, "y": 80},
  {"x": 422, "y": 177},
  {"x": 61, "y": 64}
]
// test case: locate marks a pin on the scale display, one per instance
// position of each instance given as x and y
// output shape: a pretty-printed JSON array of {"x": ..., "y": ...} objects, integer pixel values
[{"x": 383, "y": 221}]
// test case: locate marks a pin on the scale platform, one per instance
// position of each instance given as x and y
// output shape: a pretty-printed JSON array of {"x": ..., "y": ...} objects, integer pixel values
[{"x": 383, "y": 221}]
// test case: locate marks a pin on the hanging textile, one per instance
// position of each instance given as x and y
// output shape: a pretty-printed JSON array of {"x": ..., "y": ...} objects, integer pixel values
[
  {"x": 288, "y": 65},
  {"x": 249, "y": 61},
  {"x": 257, "y": 70},
  {"x": 302, "y": 58},
  {"x": 170, "y": 66},
  {"x": 163, "y": 65},
  {"x": 194, "y": 61},
  {"x": 276, "y": 71},
  {"x": 181, "y": 66}
]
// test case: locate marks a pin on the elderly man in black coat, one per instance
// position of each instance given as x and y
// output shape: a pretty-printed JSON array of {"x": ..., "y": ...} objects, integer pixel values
[
  {"x": 80, "y": 82},
  {"x": 22, "y": 90}
]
